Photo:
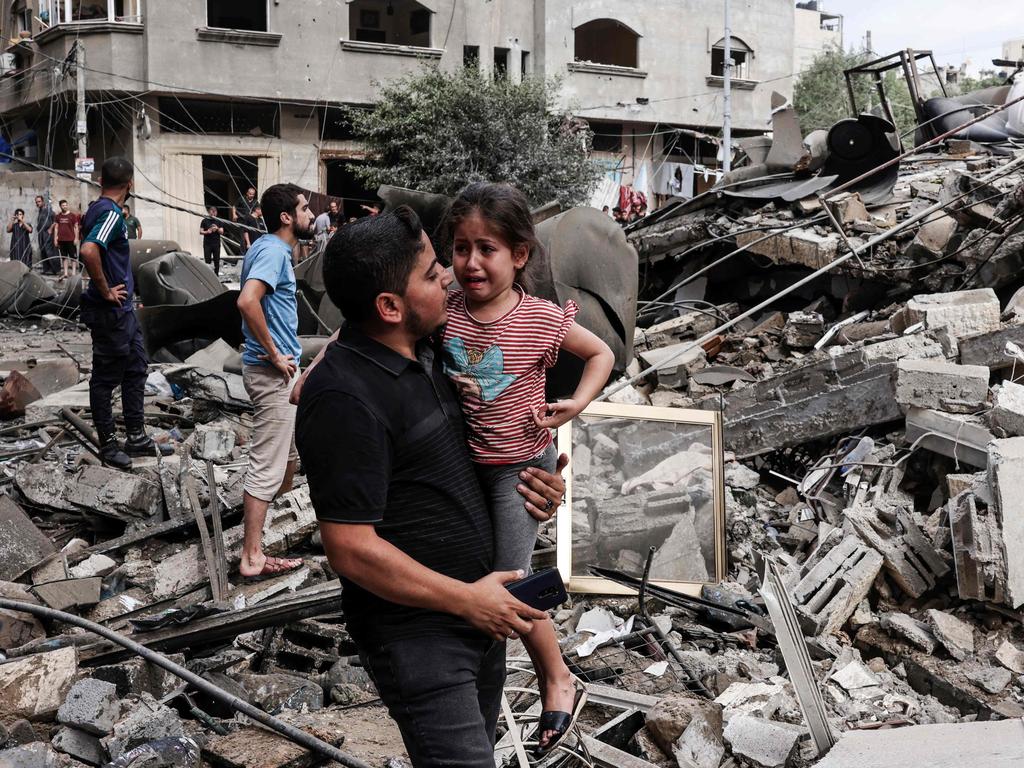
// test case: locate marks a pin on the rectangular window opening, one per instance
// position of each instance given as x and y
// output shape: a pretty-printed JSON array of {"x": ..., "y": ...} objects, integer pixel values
[
  {"x": 247, "y": 15},
  {"x": 525, "y": 63},
  {"x": 471, "y": 56},
  {"x": 235, "y": 118},
  {"x": 501, "y": 63}
]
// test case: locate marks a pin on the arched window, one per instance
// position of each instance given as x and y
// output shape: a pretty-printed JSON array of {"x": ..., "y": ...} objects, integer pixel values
[
  {"x": 606, "y": 41},
  {"x": 741, "y": 54}
]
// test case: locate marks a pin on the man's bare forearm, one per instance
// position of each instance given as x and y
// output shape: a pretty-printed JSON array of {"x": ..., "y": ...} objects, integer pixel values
[
  {"x": 384, "y": 570},
  {"x": 93, "y": 261},
  {"x": 252, "y": 313}
]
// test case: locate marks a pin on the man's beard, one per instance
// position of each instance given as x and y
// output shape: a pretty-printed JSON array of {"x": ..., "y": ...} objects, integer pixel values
[
  {"x": 417, "y": 326},
  {"x": 304, "y": 234}
]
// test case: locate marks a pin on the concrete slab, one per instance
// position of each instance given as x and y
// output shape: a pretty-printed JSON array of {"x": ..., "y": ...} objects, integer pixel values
[
  {"x": 990, "y": 744},
  {"x": 22, "y": 545},
  {"x": 963, "y": 312},
  {"x": 939, "y": 384},
  {"x": 34, "y": 687},
  {"x": 1006, "y": 478}
]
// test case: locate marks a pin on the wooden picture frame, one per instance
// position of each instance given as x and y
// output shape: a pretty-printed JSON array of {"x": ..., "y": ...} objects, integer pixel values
[{"x": 655, "y": 478}]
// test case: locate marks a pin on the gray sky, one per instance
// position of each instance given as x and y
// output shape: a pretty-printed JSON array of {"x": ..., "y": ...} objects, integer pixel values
[{"x": 953, "y": 30}]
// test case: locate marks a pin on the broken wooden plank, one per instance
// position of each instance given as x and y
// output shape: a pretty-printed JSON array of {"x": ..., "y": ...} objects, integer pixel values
[{"x": 315, "y": 601}]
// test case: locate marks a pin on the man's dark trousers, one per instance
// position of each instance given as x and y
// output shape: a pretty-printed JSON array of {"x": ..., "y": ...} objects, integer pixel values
[
  {"x": 211, "y": 253},
  {"x": 444, "y": 691},
  {"x": 118, "y": 359}
]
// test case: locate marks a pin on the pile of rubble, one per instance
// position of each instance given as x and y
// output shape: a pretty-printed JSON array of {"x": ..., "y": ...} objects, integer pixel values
[{"x": 863, "y": 351}]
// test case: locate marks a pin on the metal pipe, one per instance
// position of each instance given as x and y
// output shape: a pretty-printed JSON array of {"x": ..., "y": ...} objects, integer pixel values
[
  {"x": 804, "y": 281},
  {"x": 205, "y": 686},
  {"x": 727, "y": 95}
]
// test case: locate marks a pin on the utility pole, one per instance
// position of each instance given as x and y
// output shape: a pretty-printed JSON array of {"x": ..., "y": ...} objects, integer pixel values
[
  {"x": 727, "y": 95},
  {"x": 80, "y": 128}
]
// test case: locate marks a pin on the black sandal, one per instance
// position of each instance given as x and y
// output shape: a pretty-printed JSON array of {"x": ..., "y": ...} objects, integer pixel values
[{"x": 560, "y": 722}]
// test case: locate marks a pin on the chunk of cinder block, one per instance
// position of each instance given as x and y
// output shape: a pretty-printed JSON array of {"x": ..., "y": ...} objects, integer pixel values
[{"x": 942, "y": 385}]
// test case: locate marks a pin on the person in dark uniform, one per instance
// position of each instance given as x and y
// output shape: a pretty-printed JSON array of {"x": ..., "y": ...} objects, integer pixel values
[
  {"x": 211, "y": 230},
  {"x": 118, "y": 355}
]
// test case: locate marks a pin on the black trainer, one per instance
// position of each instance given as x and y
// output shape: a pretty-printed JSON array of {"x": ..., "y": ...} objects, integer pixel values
[{"x": 113, "y": 456}]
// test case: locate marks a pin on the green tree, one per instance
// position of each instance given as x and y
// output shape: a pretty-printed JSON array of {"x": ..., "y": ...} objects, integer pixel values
[{"x": 437, "y": 131}]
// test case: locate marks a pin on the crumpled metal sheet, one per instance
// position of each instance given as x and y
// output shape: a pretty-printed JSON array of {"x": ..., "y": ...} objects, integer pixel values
[
  {"x": 859, "y": 144},
  {"x": 211, "y": 319},
  {"x": 176, "y": 278}
]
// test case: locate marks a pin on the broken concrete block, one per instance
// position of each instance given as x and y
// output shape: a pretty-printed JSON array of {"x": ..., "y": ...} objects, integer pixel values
[
  {"x": 91, "y": 705},
  {"x": 910, "y": 558},
  {"x": 960, "y": 437},
  {"x": 962, "y": 312},
  {"x": 49, "y": 407},
  {"x": 104, "y": 491},
  {"x": 938, "y": 384},
  {"x": 22, "y": 545},
  {"x": 989, "y": 679},
  {"x": 910, "y": 629},
  {"x": 70, "y": 593},
  {"x": 1007, "y": 414},
  {"x": 36, "y": 755},
  {"x": 35, "y": 686},
  {"x": 956, "y": 636},
  {"x": 136, "y": 676},
  {"x": 1006, "y": 478},
  {"x": 675, "y": 362},
  {"x": 82, "y": 746},
  {"x": 977, "y": 549},
  {"x": 758, "y": 699},
  {"x": 147, "y": 720},
  {"x": 799, "y": 246},
  {"x": 24, "y": 387},
  {"x": 275, "y": 692},
  {"x": 21, "y": 732},
  {"x": 94, "y": 565},
  {"x": 213, "y": 442},
  {"x": 737, "y": 476},
  {"x": 700, "y": 744},
  {"x": 833, "y": 581},
  {"x": 803, "y": 329},
  {"x": 687, "y": 325},
  {"x": 932, "y": 238},
  {"x": 854, "y": 676},
  {"x": 765, "y": 743},
  {"x": 1011, "y": 657},
  {"x": 668, "y": 719},
  {"x": 989, "y": 744},
  {"x": 18, "y": 628},
  {"x": 829, "y": 395}
]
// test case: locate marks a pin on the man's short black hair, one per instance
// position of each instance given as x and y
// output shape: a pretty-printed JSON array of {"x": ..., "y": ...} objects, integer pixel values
[
  {"x": 371, "y": 256},
  {"x": 19, "y": 210},
  {"x": 278, "y": 199},
  {"x": 61, "y": 202},
  {"x": 116, "y": 172}
]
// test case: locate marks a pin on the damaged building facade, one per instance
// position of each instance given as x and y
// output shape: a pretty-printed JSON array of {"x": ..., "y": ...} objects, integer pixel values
[{"x": 257, "y": 101}]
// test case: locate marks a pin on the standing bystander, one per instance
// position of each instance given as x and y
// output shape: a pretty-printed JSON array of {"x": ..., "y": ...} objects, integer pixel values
[
  {"x": 211, "y": 230},
  {"x": 48, "y": 258},
  {"x": 270, "y": 321},
  {"x": 118, "y": 355},
  {"x": 21, "y": 240},
  {"x": 133, "y": 225},
  {"x": 66, "y": 231}
]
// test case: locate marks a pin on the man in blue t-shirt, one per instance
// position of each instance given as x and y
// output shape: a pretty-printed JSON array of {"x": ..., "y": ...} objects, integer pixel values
[
  {"x": 118, "y": 355},
  {"x": 270, "y": 324}
]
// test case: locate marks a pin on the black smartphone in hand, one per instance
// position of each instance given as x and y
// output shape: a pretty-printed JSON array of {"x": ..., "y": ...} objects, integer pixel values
[{"x": 542, "y": 590}]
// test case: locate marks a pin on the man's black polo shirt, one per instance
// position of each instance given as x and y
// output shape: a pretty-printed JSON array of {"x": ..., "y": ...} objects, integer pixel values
[{"x": 381, "y": 440}]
